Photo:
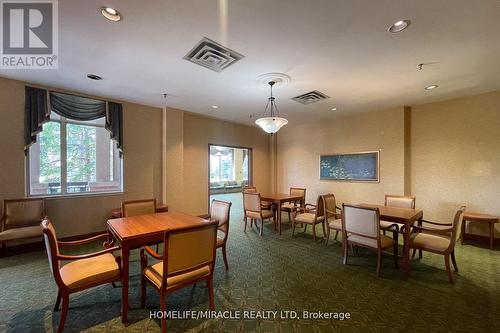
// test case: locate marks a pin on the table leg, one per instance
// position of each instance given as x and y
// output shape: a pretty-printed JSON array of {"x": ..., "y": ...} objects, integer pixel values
[
  {"x": 462, "y": 236},
  {"x": 278, "y": 220},
  {"x": 125, "y": 272},
  {"x": 406, "y": 249},
  {"x": 492, "y": 234}
]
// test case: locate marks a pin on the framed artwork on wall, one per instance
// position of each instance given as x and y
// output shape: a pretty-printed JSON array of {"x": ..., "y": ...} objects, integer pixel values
[{"x": 354, "y": 167}]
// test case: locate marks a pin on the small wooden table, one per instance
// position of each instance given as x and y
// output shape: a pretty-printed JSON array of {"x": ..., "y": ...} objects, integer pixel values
[
  {"x": 406, "y": 216},
  {"x": 117, "y": 212},
  {"x": 483, "y": 218},
  {"x": 136, "y": 231},
  {"x": 279, "y": 199}
]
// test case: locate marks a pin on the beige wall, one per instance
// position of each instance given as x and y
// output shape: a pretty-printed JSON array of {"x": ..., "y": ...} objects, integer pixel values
[
  {"x": 299, "y": 148},
  {"x": 456, "y": 157},
  {"x": 81, "y": 215}
]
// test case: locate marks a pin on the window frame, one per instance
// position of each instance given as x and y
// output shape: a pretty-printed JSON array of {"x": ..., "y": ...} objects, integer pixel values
[{"x": 64, "y": 172}]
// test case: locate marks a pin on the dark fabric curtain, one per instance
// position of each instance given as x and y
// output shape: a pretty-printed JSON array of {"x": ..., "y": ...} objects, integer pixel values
[
  {"x": 77, "y": 107},
  {"x": 114, "y": 124},
  {"x": 36, "y": 113}
]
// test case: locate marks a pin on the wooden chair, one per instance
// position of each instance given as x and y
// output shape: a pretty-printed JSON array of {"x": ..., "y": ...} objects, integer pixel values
[
  {"x": 309, "y": 215},
  {"x": 21, "y": 220},
  {"x": 266, "y": 205},
  {"x": 289, "y": 206},
  {"x": 361, "y": 227},
  {"x": 253, "y": 209},
  {"x": 440, "y": 240},
  {"x": 83, "y": 272},
  {"x": 333, "y": 216},
  {"x": 401, "y": 201},
  {"x": 138, "y": 207},
  {"x": 220, "y": 212},
  {"x": 188, "y": 257}
]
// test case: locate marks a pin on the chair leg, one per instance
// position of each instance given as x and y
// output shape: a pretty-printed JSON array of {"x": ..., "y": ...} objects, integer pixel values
[
  {"x": 224, "y": 256},
  {"x": 293, "y": 228},
  {"x": 58, "y": 301},
  {"x": 413, "y": 253},
  {"x": 314, "y": 231},
  {"x": 336, "y": 234},
  {"x": 289, "y": 217},
  {"x": 305, "y": 227},
  {"x": 246, "y": 221},
  {"x": 261, "y": 227},
  {"x": 64, "y": 313},
  {"x": 346, "y": 251},
  {"x": 419, "y": 254},
  {"x": 211, "y": 293},
  {"x": 395, "y": 235},
  {"x": 327, "y": 236},
  {"x": 453, "y": 260},
  {"x": 379, "y": 261},
  {"x": 448, "y": 269},
  {"x": 163, "y": 308}
]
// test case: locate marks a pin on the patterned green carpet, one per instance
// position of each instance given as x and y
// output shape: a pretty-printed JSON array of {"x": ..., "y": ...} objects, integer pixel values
[{"x": 274, "y": 273}]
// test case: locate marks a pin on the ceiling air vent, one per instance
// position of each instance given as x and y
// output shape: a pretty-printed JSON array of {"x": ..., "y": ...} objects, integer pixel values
[
  {"x": 212, "y": 55},
  {"x": 310, "y": 97}
]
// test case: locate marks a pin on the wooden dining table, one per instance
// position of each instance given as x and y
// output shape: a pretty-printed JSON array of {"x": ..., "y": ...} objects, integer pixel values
[
  {"x": 136, "y": 231},
  {"x": 405, "y": 216},
  {"x": 278, "y": 199}
]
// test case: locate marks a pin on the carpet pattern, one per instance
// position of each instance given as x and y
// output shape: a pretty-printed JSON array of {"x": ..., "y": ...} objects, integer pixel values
[{"x": 273, "y": 273}]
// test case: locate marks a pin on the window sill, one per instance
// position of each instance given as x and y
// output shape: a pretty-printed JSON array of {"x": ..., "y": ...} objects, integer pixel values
[{"x": 76, "y": 195}]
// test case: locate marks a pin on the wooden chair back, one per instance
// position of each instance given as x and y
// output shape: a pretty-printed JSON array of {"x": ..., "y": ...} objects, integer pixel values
[
  {"x": 361, "y": 221},
  {"x": 52, "y": 248},
  {"x": 320, "y": 207},
  {"x": 455, "y": 234},
  {"x": 250, "y": 189},
  {"x": 402, "y": 201},
  {"x": 18, "y": 213},
  {"x": 138, "y": 207},
  {"x": 220, "y": 212},
  {"x": 330, "y": 204},
  {"x": 251, "y": 202},
  {"x": 189, "y": 249}
]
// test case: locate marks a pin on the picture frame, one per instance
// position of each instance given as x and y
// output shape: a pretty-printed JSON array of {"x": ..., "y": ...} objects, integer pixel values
[{"x": 351, "y": 167}]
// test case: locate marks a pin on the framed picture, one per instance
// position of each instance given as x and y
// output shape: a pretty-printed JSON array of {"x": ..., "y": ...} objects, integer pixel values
[{"x": 355, "y": 167}]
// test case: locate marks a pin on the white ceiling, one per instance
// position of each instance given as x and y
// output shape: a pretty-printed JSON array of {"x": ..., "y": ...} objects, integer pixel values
[{"x": 341, "y": 48}]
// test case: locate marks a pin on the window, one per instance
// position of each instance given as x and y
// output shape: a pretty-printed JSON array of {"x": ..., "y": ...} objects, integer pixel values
[{"x": 74, "y": 157}]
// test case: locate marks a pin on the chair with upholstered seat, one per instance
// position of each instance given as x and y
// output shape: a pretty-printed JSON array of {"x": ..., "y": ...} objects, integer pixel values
[
  {"x": 402, "y": 201},
  {"x": 138, "y": 207},
  {"x": 309, "y": 215},
  {"x": 440, "y": 239},
  {"x": 83, "y": 272},
  {"x": 361, "y": 227},
  {"x": 220, "y": 212},
  {"x": 21, "y": 220},
  {"x": 253, "y": 209},
  {"x": 289, "y": 206},
  {"x": 188, "y": 257},
  {"x": 333, "y": 216}
]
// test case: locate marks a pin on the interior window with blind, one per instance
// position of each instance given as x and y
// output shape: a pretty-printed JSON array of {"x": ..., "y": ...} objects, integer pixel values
[{"x": 74, "y": 157}]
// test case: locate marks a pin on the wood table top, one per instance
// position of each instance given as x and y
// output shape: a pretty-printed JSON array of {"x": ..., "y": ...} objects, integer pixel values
[
  {"x": 396, "y": 213},
  {"x": 140, "y": 225},
  {"x": 471, "y": 216},
  {"x": 279, "y": 196}
]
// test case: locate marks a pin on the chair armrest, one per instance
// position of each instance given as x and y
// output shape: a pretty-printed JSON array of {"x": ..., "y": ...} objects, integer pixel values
[
  {"x": 330, "y": 213},
  {"x": 152, "y": 253},
  {"x": 89, "y": 255},
  {"x": 434, "y": 231},
  {"x": 207, "y": 216},
  {"x": 82, "y": 241},
  {"x": 436, "y": 223}
]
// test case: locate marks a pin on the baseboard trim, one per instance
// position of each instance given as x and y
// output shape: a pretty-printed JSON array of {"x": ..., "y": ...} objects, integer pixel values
[{"x": 481, "y": 239}]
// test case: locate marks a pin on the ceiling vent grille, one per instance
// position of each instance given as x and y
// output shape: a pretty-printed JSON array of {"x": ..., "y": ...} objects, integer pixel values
[
  {"x": 310, "y": 97},
  {"x": 212, "y": 55}
]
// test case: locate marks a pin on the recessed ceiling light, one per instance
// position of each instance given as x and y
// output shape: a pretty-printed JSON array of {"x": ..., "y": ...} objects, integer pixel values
[
  {"x": 94, "y": 77},
  {"x": 433, "y": 86},
  {"x": 333, "y": 109},
  {"x": 111, "y": 14},
  {"x": 215, "y": 106},
  {"x": 399, "y": 26}
]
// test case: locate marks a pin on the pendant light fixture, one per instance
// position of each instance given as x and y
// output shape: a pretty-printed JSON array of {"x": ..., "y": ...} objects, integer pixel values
[{"x": 274, "y": 122}]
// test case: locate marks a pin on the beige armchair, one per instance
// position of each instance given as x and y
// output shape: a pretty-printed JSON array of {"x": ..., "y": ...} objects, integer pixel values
[
  {"x": 83, "y": 272},
  {"x": 253, "y": 209},
  {"x": 220, "y": 212},
  {"x": 266, "y": 205},
  {"x": 440, "y": 240},
  {"x": 309, "y": 215},
  {"x": 21, "y": 220},
  {"x": 333, "y": 216},
  {"x": 361, "y": 227},
  {"x": 289, "y": 206},
  {"x": 188, "y": 257},
  {"x": 401, "y": 201}
]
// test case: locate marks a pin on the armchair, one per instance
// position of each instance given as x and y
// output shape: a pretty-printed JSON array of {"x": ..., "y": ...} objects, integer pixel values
[{"x": 309, "y": 215}]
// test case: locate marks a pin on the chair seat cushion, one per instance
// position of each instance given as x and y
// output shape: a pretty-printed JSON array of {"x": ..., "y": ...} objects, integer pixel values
[
  {"x": 335, "y": 224},
  {"x": 154, "y": 273},
  {"x": 386, "y": 224},
  {"x": 220, "y": 237},
  {"x": 425, "y": 241},
  {"x": 385, "y": 241},
  {"x": 265, "y": 214},
  {"x": 90, "y": 271},
  {"x": 288, "y": 206},
  {"x": 308, "y": 218},
  {"x": 21, "y": 233}
]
